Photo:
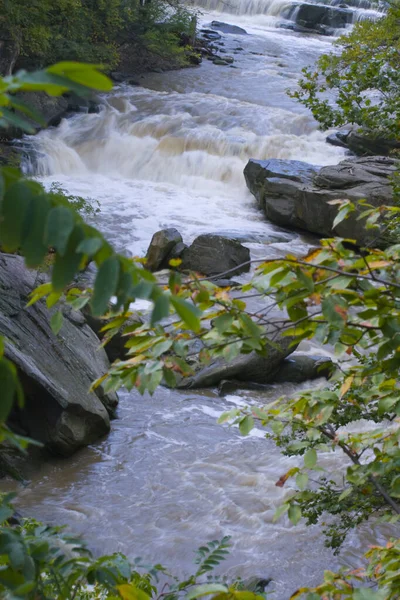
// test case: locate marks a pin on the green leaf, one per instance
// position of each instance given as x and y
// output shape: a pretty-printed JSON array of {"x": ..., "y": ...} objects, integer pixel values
[
  {"x": 310, "y": 458},
  {"x": 169, "y": 377},
  {"x": 206, "y": 589},
  {"x": 90, "y": 246},
  {"x": 280, "y": 511},
  {"x": 59, "y": 226},
  {"x": 85, "y": 74},
  {"x": 246, "y": 425},
  {"x": 33, "y": 246},
  {"x": 302, "y": 480},
  {"x": 15, "y": 215},
  {"x": 223, "y": 322},
  {"x": 8, "y": 388},
  {"x": 294, "y": 513},
  {"x": 161, "y": 309},
  {"x": 105, "y": 285},
  {"x": 56, "y": 322},
  {"x": 67, "y": 266},
  {"x": 188, "y": 313},
  {"x": 162, "y": 347},
  {"x": 249, "y": 326}
]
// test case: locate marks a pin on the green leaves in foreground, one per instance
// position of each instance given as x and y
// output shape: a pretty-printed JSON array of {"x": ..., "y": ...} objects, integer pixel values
[{"x": 55, "y": 81}]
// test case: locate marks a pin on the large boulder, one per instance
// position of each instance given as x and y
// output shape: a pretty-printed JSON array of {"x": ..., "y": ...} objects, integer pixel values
[
  {"x": 161, "y": 246},
  {"x": 318, "y": 18},
  {"x": 296, "y": 195},
  {"x": 212, "y": 254},
  {"x": 245, "y": 367},
  {"x": 298, "y": 368},
  {"x": 56, "y": 371}
]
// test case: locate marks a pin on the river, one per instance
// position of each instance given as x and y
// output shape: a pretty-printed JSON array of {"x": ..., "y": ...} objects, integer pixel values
[{"x": 171, "y": 152}]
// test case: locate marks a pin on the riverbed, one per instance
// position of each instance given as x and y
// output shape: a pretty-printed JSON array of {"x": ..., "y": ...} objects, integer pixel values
[{"x": 171, "y": 153}]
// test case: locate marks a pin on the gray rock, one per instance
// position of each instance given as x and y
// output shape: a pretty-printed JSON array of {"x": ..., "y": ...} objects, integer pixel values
[
  {"x": 318, "y": 16},
  {"x": 364, "y": 145},
  {"x": 361, "y": 143},
  {"x": 51, "y": 108},
  {"x": 227, "y": 28},
  {"x": 297, "y": 195},
  {"x": 214, "y": 255},
  {"x": 56, "y": 371},
  {"x": 246, "y": 367},
  {"x": 302, "y": 367},
  {"x": 296, "y": 369},
  {"x": 160, "y": 247},
  {"x": 220, "y": 61}
]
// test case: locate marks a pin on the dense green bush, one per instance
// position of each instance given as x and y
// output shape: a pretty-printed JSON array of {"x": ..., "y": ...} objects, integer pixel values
[
  {"x": 47, "y": 31},
  {"x": 360, "y": 81}
]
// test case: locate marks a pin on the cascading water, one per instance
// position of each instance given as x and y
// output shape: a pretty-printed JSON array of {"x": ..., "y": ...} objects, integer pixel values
[{"x": 171, "y": 153}]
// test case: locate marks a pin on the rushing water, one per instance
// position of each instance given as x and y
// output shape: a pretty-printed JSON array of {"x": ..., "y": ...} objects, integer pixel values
[{"x": 171, "y": 153}]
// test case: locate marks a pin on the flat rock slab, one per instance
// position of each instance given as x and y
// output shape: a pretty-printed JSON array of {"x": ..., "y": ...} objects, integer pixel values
[
  {"x": 245, "y": 367},
  {"x": 296, "y": 195},
  {"x": 56, "y": 371},
  {"x": 227, "y": 28}
]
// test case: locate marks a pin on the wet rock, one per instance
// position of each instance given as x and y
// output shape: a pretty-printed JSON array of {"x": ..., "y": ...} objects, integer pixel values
[
  {"x": 336, "y": 139},
  {"x": 227, "y": 28},
  {"x": 55, "y": 371},
  {"x": 364, "y": 145},
  {"x": 361, "y": 143},
  {"x": 296, "y": 195},
  {"x": 85, "y": 105},
  {"x": 160, "y": 247},
  {"x": 214, "y": 254},
  {"x": 317, "y": 17},
  {"x": 296, "y": 369},
  {"x": 176, "y": 251},
  {"x": 302, "y": 367},
  {"x": 220, "y": 61},
  {"x": 209, "y": 34},
  {"x": 51, "y": 109},
  {"x": 246, "y": 367}
]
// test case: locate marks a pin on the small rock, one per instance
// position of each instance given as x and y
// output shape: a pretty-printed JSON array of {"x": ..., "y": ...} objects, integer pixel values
[
  {"x": 215, "y": 254},
  {"x": 160, "y": 247}
]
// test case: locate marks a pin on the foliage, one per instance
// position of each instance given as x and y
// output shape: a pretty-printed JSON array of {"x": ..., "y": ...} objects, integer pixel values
[
  {"x": 361, "y": 83},
  {"x": 87, "y": 207},
  {"x": 47, "y": 31}
]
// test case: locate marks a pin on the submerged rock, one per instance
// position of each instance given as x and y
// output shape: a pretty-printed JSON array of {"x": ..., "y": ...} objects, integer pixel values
[
  {"x": 296, "y": 195},
  {"x": 296, "y": 369},
  {"x": 56, "y": 371},
  {"x": 214, "y": 254},
  {"x": 227, "y": 28},
  {"x": 245, "y": 367}
]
